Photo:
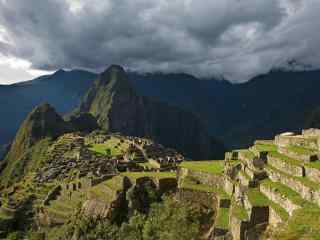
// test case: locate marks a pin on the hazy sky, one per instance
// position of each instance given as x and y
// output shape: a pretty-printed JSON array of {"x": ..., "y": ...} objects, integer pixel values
[{"x": 236, "y": 39}]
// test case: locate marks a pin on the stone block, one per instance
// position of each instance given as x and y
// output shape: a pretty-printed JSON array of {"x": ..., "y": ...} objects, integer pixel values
[{"x": 285, "y": 166}]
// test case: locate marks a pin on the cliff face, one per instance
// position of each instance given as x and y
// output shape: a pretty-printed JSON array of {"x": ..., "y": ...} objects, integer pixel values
[{"x": 119, "y": 108}]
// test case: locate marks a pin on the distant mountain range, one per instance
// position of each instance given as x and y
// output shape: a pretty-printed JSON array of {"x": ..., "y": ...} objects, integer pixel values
[{"x": 235, "y": 113}]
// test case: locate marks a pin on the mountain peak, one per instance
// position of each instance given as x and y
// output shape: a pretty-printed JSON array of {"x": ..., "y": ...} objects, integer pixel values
[
  {"x": 44, "y": 121},
  {"x": 59, "y": 71},
  {"x": 113, "y": 73}
]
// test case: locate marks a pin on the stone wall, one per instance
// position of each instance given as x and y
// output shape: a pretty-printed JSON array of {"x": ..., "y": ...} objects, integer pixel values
[
  {"x": 210, "y": 200},
  {"x": 281, "y": 200},
  {"x": 285, "y": 141},
  {"x": 238, "y": 228},
  {"x": 274, "y": 218},
  {"x": 228, "y": 186},
  {"x": 312, "y": 173},
  {"x": 202, "y": 177},
  {"x": 302, "y": 157},
  {"x": 307, "y": 192},
  {"x": 286, "y": 167},
  {"x": 53, "y": 194},
  {"x": 312, "y": 132}
]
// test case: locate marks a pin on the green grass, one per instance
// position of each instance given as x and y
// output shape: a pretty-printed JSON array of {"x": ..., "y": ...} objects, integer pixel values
[
  {"x": 266, "y": 147},
  {"x": 302, "y": 180},
  {"x": 285, "y": 158},
  {"x": 135, "y": 175},
  {"x": 148, "y": 165},
  {"x": 256, "y": 198},
  {"x": 222, "y": 220},
  {"x": 192, "y": 185},
  {"x": 315, "y": 164},
  {"x": 282, "y": 213},
  {"x": 301, "y": 150},
  {"x": 304, "y": 224},
  {"x": 110, "y": 145},
  {"x": 213, "y": 167},
  {"x": 286, "y": 191},
  {"x": 239, "y": 212},
  {"x": 246, "y": 153}
]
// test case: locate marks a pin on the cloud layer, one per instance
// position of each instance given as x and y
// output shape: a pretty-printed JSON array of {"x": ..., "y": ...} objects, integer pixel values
[{"x": 236, "y": 39}]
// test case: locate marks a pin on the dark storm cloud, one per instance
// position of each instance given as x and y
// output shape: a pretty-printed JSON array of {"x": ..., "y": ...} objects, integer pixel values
[{"x": 234, "y": 38}]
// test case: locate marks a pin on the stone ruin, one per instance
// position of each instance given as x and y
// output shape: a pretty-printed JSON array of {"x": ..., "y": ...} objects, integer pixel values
[
  {"x": 265, "y": 184},
  {"x": 69, "y": 154}
]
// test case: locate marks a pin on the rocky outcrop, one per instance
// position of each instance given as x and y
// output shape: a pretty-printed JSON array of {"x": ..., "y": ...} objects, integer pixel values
[{"x": 116, "y": 105}]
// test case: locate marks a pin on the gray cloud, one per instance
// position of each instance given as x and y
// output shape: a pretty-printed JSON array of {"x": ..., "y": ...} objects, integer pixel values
[{"x": 234, "y": 38}]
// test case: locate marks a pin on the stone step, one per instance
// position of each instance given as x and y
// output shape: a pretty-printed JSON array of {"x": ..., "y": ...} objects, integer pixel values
[
  {"x": 245, "y": 180},
  {"x": 282, "y": 195},
  {"x": 310, "y": 142},
  {"x": 277, "y": 215},
  {"x": 257, "y": 206},
  {"x": 261, "y": 149},
  {"x": 238, "y": 221},
  {"x": 255, "y": 174},
  {"x": 307, "y": 189},
  {"x": 222, "y": 221},
  {"x": 300, "y": 153},
  {"x": 249, "y": 159},
  {"x": 286, "y": 164}
]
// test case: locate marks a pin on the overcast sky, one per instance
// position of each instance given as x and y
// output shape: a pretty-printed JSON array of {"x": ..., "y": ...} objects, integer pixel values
[{"x": 236, "y": 39}]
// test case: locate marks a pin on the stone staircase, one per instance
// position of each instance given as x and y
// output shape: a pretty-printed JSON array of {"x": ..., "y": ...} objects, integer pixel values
[{"x": 270, "y": 181}]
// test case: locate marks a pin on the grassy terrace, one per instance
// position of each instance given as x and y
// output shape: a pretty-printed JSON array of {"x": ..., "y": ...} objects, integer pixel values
[
  {"x": 304, "y": 224},
  {"x": 246, "y": 153},
  {"x": 135, "y": 175},
  {"x": 302, "y": 180},
  {"x": 213, "y": 167},
  {"x": 302, "y": 150},
  {"x": 286, "y": 191},
  {"x": 315, "y": 165},
  {"x": 266, "y": 147},
  {"x": 148, "y": 165},
  {"x": 285, "y": 158},
  {"x": 256, "y": 198},
  {"x": 222, "y": 220},
  {"x": 282, "y": 213},
  {"x": 189, "y": 184},
  {"x": 239, "y": 211},
  {"x": 110, "y": 147}
]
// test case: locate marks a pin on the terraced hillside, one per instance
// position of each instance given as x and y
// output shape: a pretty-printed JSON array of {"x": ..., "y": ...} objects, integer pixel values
[{"x": 273, "y": 188}]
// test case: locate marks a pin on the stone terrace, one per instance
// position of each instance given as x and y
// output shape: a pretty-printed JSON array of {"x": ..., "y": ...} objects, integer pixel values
[{"x": 265, "y": 185}]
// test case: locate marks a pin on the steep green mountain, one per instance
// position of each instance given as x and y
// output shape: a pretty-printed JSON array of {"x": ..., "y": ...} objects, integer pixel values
[
  {"x": 63, "y": 90},
  {"x": 28, "y": 149},
  {"x": 238, "y": 114},
  {"x": 119, "y": 108},
  {"x": 235, "y": 113}
]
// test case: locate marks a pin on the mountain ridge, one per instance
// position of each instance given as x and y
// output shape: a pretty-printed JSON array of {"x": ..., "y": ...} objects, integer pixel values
[{"x": 119, "y": 108}]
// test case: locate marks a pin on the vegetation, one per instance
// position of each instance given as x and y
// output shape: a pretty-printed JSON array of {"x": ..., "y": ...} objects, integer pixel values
[
  {"x": 239, "y": 211},
  {"x": 304, "y": 224},
  {"x": 222, "y": 220},
  {"x": 266, "y": 147},
  {"x": 285, "y": 158},
  {"x": 286, "y": 191},
  {"x": 256, "y": 198},
  {"x": 112, "y": 147},
  {"x": 213, "y": 167},
  {"x": 168, "y": 220},
  {"x": 190, "y": 184},
  {"x": 301, "y": 150},
  {"x": 135, "y": 175}
]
